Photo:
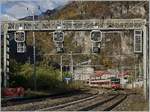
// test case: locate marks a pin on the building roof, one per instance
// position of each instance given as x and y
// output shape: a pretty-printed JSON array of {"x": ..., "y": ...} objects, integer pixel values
[
  {"x": 124, "y": 73},
  {"x": 101, "y": 73}
]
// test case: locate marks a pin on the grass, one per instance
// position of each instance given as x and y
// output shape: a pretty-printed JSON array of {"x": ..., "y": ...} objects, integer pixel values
[
  {"x": 139, "y": 103},
  {"x": 139, "y": 106}
]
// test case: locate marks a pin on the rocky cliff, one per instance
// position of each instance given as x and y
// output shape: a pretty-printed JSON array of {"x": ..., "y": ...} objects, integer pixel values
[{"x": 113, "y": 44}]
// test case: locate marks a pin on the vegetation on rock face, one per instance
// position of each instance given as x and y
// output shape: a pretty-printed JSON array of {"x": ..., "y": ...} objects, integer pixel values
[{"x": 103, "y": 10}]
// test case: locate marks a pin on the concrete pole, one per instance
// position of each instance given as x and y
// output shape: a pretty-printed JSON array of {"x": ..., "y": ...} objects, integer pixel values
[
  {"x": 34, "y": 56},
  {"x": 71, "y": 64},
  {"x": 0, "y": 62},
  {"x": 149, "y": 57},
  {"x": 139, "y": 67},
  {"x": 145, "y": 62},
  {"x": 148, "y": 61},
  {"x": 61, "y": 74},
  {"x": 34, "y": 62},
  {"x": 5, "y": 55},
  {"x": 34, "y": 52},
  {"x": 135, "y": 70}
]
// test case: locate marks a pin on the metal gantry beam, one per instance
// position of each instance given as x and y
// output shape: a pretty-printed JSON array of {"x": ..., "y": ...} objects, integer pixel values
[{"x": 92, "y": 24}]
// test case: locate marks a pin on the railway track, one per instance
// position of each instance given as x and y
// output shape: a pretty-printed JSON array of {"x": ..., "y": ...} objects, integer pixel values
[
  {"x": 98, "y": 101},
  {"x": 95, "y": 103},
  {"x": 69, "y": 103},
  {"x": 18, "y": 101},
  {"x": 107, "y": 105},
  {"x": 36, "y": 104}
]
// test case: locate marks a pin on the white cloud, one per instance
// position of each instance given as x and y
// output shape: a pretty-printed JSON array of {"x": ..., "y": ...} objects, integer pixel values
[
  {"x": 19, "y": 7},
  {"x": 17, "y": 11},
  {"x": 10, "y": 18}
]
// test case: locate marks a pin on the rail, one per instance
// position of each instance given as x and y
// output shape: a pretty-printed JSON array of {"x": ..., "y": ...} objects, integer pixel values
[{"x": 90, "y": 103}]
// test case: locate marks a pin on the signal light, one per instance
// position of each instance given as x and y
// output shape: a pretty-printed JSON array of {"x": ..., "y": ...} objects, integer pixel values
[
  {"x": 21, "y": 47},
  {"x": 59, "y": 50},
  {"x": 20, "y": 39},
  {"x": 96, "y": 46},
  {"x": 59, "y": 47},
  {"x": 138, "y": 41},
  {"x": 96, "y": 36},
  {"x": 95, "y": 49},
  {"x": 20, "y": 36},
  {"x": 58, "y": 36}
]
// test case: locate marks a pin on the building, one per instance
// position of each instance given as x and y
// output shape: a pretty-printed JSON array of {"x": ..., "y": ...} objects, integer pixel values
[
  {"x": 103, "y": 75},
  {"x": 83, "y": 73}
]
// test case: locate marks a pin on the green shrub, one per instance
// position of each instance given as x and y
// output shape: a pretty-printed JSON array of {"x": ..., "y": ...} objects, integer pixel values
[
  {"x": 47, "y": 78},
  {"x": 19, "y": 80},
  {"x": 67, "y": 74}
]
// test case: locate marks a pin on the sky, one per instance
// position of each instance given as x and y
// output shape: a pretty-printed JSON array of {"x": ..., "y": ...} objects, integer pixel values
[{"x": 14, "y": 9}]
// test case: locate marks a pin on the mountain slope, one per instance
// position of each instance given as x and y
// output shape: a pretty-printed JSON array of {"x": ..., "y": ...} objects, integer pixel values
[{"x": 79, "y": 41}]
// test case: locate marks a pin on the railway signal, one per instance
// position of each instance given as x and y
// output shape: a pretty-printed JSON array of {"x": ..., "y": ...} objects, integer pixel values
[
  {"x": 138, "y": 41},
  {"x": 20, "y": 40},
  {"x": 58, "y": 38},
  {"x": 21, "y": 47},
  {"x": 96, "y": 36},
  {"x": 95, "y": 49},
  {"x": 20, "y": 36},
  {"x": 59, "y": 47}
]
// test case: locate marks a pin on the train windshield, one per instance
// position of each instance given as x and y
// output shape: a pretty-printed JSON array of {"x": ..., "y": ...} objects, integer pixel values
[{"x": 115, "y": 80}]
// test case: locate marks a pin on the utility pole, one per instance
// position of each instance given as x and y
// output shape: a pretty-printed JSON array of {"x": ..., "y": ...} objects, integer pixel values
[
  {"x": 71, "y": 59},
  {"x": 61, "y": 74},
  {"x": 135, "y": 70},
  {"x": 0, "y": 61},
  {"x": 6, "y": 55},
  {"x": 145, "y": 62},
  {"x": 34, "y": 58},
  {"x": 148, "y": 59},
  {"x": 34, "y": 51},
  {"x": 34, "y": 62}
]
